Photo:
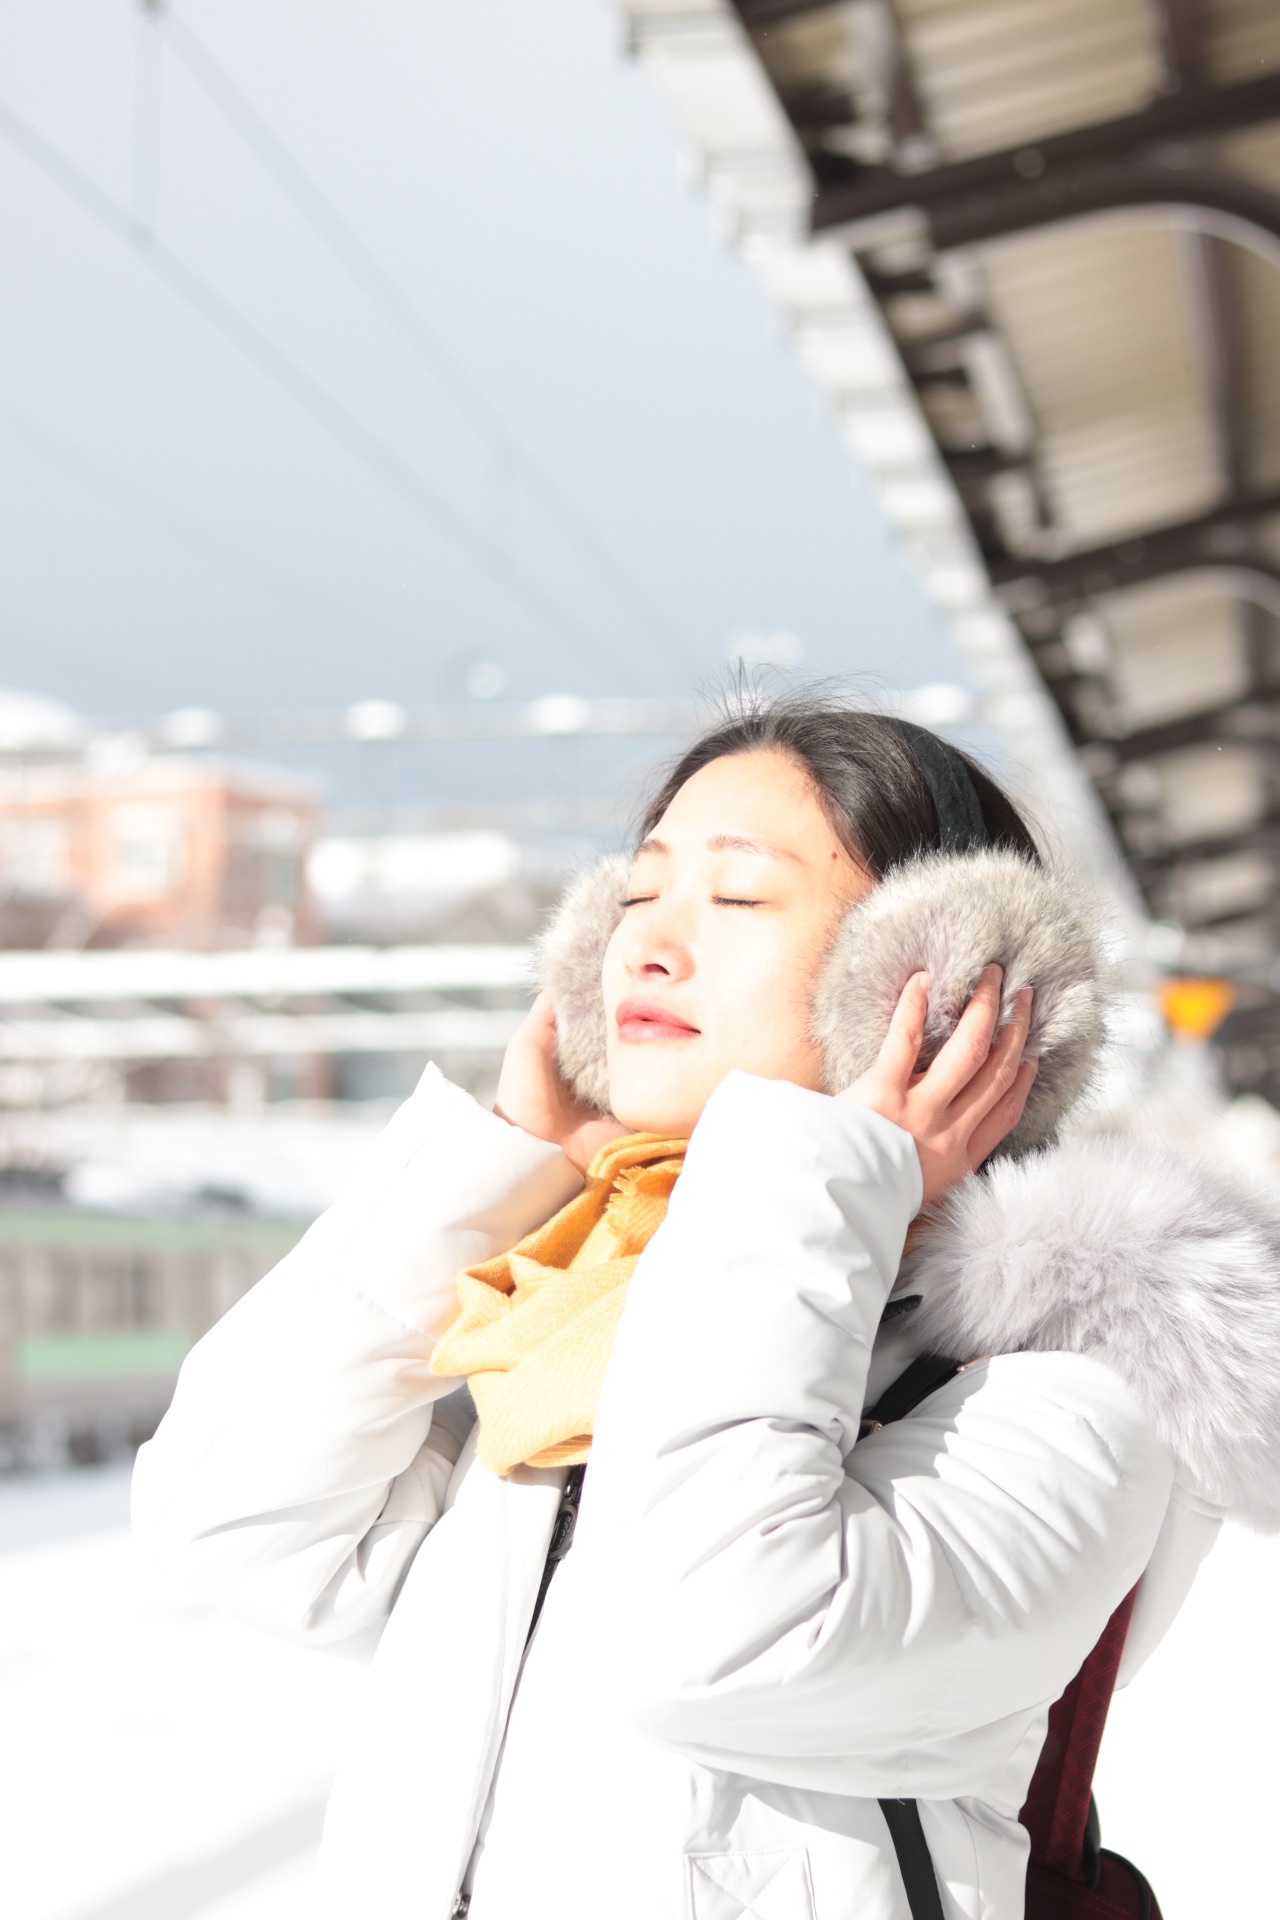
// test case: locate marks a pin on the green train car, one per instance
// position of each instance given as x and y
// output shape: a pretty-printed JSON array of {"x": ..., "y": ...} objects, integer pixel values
[{"x": 97, "y": 1311}]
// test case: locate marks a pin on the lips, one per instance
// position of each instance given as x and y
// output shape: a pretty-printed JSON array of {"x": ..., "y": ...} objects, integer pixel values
[{"x": 645, "y": 1020}]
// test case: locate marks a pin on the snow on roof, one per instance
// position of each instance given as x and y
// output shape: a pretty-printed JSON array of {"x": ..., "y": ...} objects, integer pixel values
[{"x": 30, "y": 723}]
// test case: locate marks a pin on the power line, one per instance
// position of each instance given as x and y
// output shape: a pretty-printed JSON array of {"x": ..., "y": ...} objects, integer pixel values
[
  {"x": 399, "y": 310},
  {"x": 275, "y": 364},
  {"x": 122, "y": 492}
]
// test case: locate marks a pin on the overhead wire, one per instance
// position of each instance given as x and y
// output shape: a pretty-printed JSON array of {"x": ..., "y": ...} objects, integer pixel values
[
  {"x": 271, "y": 360},
  {"x": 399, "y": 310},
  {"x": 160, "y": 515}
]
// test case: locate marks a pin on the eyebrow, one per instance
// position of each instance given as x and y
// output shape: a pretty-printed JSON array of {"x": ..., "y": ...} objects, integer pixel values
[{"x": 729, "y": 843}]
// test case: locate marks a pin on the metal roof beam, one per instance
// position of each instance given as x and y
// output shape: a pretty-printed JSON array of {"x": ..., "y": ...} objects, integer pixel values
[
  {"x": 1206, "y": 260},
  {"x": 1181, "y": 42},
  {"x": 1219, "y": 539},
  {"x": 1228, "y": 401},
  {"x": 1241, "y": 725},
  {"x": 1253, "y": 639},
  {"x": 817, "y": 110},
  {"x": 922, "y": 351},
  {"x": 774, "y": 13},
  {"x": 1255, "y": 916},
  {"x": 1264, "y": 837},
  {"x": 973, "y": 466},
  {"x": 1017, "y": 182},
  {"x": 1173, "y": 178},
  {"x": 876, "y": 28}
]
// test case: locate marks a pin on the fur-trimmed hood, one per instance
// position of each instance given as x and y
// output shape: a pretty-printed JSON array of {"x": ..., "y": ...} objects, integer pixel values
[{"x": 1164, "y": 1266}]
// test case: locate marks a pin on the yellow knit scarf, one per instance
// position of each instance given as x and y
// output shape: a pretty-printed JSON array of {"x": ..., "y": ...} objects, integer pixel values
[{"x": 536, "y": 1325}]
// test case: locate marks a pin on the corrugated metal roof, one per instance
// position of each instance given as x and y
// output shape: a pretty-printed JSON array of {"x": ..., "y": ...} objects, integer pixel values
[
  {"x": 1175, "y": 648},
  {"x": 1044, "y": 299},
  {"x": 1255, "y": 299},
  {"x": 1099, "y": 330},
  {"x": 997, "y": 74},
  {"x": 1239, "y": 37}
]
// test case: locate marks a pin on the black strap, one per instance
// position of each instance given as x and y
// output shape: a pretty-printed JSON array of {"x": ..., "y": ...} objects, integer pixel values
[
  {"x": 961, "y": 826},
  {"x": 923, "y": 1377},
  {"x": 902, "y": 1817}
]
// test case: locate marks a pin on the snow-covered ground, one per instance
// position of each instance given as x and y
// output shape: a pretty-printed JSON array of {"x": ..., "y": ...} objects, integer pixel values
[
  {"x": 159, "y": 1761},
  {"x": 162, "y": 1763},
  {"x": 1189, "y": 1779}
]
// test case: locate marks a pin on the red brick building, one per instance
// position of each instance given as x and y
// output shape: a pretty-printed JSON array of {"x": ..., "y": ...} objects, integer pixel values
[{"x": 164, "y": 852}]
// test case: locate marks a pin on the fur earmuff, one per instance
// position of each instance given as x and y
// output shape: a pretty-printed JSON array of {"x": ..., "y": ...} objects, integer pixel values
[
  {"x": 950, "y": 915},
  {"x": 947, "y": 913},
  {"x": 570, "y": 960}
]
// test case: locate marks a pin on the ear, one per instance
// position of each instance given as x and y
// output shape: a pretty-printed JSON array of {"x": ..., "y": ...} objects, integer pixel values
[
  {"x": 570, "y": 960},
  {"x": 951, "y": 915}
]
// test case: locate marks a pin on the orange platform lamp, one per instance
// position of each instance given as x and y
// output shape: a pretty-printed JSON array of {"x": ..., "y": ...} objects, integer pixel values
[{"x": 1195, "y": 1008}]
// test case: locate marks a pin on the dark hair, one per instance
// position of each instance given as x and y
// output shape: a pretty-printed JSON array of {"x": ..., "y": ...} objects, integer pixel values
[{"x": 867, "y": 777}]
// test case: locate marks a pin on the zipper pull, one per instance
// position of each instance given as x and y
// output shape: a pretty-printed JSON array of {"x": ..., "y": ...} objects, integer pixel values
[{"x": 567, "y": 1517}]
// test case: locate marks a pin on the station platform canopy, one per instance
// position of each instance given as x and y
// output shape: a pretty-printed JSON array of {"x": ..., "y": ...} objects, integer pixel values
[{"x": 1030, "y": 250}]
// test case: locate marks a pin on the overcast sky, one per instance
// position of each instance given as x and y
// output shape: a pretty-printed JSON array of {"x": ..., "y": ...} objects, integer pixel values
[{"x": 181, "y": 529}]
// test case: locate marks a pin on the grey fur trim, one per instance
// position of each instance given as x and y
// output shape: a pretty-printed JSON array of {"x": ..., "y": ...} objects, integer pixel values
[
  {"x": 570, "y": 959},
  {"x": 1165, "y": 1267},
  {"x": 952, "y": 914}
]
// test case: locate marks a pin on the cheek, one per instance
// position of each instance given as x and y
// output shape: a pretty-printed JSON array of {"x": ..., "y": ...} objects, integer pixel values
[
  {"x": 764, "y": 1000},
  {"x": 612, "y": 974}
]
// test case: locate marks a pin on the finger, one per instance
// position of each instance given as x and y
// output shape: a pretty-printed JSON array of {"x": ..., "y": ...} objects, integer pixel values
[
  {"x": 900, "y": 1050},
  {"x": 536, "y": 1037},
  {"x": 993, "y": 1080},
  {"x": 967, "y": 1049},
  {"x": 541, "y": 1017},
  {"x": 1004, "y": 1116}
]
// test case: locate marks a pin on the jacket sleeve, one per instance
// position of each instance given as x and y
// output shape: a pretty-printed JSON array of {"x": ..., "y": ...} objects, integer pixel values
[
  {"x": 783, "y": 1595},
  {"x": 301, "y": 1463}
]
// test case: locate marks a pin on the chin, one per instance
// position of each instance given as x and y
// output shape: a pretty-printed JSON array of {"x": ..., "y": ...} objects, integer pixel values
[{"x": 646, "y": 1100}]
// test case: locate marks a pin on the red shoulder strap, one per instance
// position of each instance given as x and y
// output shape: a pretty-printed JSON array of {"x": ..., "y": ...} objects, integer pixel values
[{"x": 1057, "y": 1807}]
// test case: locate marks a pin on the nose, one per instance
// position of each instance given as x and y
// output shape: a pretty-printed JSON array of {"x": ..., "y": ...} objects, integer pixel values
[{"x": 657, "y": 943}]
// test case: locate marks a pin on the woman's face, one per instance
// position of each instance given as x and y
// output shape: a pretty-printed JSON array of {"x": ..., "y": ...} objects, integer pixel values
[{"x": 731, "y": 906}]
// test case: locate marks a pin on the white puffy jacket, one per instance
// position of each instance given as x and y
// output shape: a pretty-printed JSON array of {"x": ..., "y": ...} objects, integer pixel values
[{"x": 762, "y": 1627}]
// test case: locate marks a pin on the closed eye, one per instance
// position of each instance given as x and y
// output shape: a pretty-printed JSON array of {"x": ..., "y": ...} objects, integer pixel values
[{"x": 717, "y": 900}]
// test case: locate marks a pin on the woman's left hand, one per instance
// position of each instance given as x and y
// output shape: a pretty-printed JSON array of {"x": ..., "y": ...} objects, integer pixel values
[{"x": 960, "y": 1109}]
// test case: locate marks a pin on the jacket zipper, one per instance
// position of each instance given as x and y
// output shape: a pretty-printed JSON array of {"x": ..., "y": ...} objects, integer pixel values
[
  {"x": 566, "y": 1522},
  {"x": 561, "y": 1539}
]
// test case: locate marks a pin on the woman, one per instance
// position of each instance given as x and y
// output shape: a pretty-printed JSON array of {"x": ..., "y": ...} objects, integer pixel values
[{"x": 765, "y": 1625}]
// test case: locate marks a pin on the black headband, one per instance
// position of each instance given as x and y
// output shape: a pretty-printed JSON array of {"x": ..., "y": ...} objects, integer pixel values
[{"x": 961, "y": 827}]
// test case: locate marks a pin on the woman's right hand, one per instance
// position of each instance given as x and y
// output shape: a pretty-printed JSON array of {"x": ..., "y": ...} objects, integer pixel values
[{"x": 533, "y": 1093}]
